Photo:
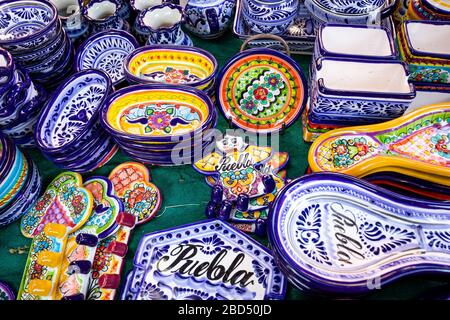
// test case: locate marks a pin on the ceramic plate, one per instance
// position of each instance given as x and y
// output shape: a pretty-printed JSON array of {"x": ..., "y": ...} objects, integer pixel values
[
  {"x": 244, "y": 269},
  {"x": 106, "y": 51},
  {"x": 6, "y": 292},
  {"x": 261, "y": 90}
]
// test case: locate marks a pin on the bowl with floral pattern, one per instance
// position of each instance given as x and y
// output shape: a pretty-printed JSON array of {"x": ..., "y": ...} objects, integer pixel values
[
  {"x": 72, "y": 110},
  {"x": 156, "y": 113},
  {"x": 171, "y": 65},
  {"x": 27, "y": 24},
  {"x": 106, "y": 51}
]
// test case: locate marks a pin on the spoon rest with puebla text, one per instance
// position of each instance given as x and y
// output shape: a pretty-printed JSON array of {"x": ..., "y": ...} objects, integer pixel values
[
  {"x": 333, "y": 233},
  {"x": 416, "y": 144}
]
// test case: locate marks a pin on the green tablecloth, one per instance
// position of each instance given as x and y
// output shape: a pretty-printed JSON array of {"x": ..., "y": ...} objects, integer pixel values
[{"x": 185, "y": 195}]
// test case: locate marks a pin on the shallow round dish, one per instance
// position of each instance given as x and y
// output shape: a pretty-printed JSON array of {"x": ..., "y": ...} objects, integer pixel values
[
  {"x": 106, "y": 51},
  {"x": 72, "y": 110},
  {"x": 261, "y": 90},
  {"x": 156, "y": 113},
  {"x": 171, "y": 65},
  {"x": 27, "y": 21}
]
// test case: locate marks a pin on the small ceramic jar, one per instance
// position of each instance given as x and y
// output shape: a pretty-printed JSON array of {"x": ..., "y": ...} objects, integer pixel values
[
  {"x": 209, "y": 19},
  {"x": 69, "y": 13},
  {"x": 269, "y": 16},
  {"x": 104, "y": 15},
  {"x": 163, "y": 24}
]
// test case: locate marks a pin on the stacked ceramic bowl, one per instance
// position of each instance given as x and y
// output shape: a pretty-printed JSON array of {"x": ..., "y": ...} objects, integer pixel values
[
  {"x": 170, "y": 65},
  {"x": 68, "y": 131},
  {"x": 160, "y": 124},
  {"x": 20, "y": 101},
  {"x": 20, "y": 182},
  {"x": 31, "y": 31}
]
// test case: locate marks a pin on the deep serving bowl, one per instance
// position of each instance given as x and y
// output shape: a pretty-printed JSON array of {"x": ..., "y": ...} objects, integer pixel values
[
  {"x": 72, "y": 110},
  {"x": 27, "y": 23},
  {"x": 156, "y": 112},
  {"x": 171, "y": 65},
  {"x": 106, "y": 51}
]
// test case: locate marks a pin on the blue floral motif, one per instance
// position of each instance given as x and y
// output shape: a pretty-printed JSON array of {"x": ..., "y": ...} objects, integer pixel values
[
  {"x": 350, "y": 6},
  {"x": 152, "y": 292},
  {"x": 383, "y": 238},
  {"x": 191, "y": 294},
  {"x": 439, "y": 239},
  {"x": 211, "y": 245},
  {"x": 261, "y": 273}
]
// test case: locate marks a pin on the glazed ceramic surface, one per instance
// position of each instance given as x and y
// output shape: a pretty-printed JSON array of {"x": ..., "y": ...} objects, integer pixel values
[
  {"x": 334, "y": 233},
  {"x": 247, "y": 270},
  {"x": 64, "y": 208},
  {"x": 72, "y": 110},
  {"x": 156, "y": 112},
  {"x": 171, "y": 65},
  {"x": 261, "y": 90},
  {"x": 140, "y": 5},
  {"x": 429, "y": 93},
  {"x": 105, "y": 15},
  {"x": 140, "y": 197},
  {"x": 268, "y": 16},
  {"x": 106, "y": 51},
  {"x": 6, "y": 292},
  {"x": 209, "y": 19},
  {"x": 415, "y": 144}
]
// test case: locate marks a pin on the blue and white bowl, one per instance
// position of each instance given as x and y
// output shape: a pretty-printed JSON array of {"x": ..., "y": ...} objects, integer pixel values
[
  {"x": 269, "y": 16},
  {"x": 106, "y": 51}
]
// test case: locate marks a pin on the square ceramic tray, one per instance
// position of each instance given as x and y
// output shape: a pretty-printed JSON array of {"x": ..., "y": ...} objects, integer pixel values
[{"x": 300, "y": 36}]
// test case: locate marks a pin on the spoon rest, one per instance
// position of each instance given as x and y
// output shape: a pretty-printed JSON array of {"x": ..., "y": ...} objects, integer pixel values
[
  {"x": 141, "y": 198},
  {"x": 61, "y": 210},
  {"x": 334, "y": 233},
  {"x": 223, "y": 263},
  {"x": 82, "y": 244},
  {"x": 109, "y": 260},
  {"x": 416, "y": 144}
]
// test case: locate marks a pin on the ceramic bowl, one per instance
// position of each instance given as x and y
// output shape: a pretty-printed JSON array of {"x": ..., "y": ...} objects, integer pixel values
[
  {"x": 104, "y": 15},
  {"x": 261, "y": 90},
  {"x": 171, "y": 65},
  {"x": 27, "y": 24},
  {"x": 72, "y": 110},
  {"x": 156, "y": 113},
  {"x": 106, "y": 51}
]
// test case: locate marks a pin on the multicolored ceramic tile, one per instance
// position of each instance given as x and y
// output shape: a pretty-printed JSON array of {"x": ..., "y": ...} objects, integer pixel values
[
  {"x": 82, "y": 244},
  {"x": 207, "y": 260},
  {"x": 417, "y": 142},
  {"x": 62, "y": 209},
  {"x": 141, "y": 198}
]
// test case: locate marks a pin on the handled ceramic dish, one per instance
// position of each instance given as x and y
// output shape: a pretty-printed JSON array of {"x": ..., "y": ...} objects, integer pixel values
[
  {"x": 416, "y": 144},
  {"x": 336, "y": 234}
]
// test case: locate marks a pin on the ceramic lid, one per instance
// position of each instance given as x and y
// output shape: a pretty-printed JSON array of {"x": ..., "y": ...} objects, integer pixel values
[
  {"x": 261, "y": 90},
  {"x": 227, "y": 264},
  {"x": 350, "y": 8},
  {"x": 72, "y": 110},
  {"x": 340, "y": 233},
  {"x": 6, "y": 293}
]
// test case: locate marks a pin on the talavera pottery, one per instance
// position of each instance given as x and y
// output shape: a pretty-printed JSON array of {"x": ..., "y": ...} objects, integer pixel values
[
  {"x": 415, "y": 144},
  {"x": 62, "y": 209},
  {"x": 163, "y": 25},
  {"x": 140, "y": 5},
  {"x": 350, "y": 12},
  {"x": 171, "y": 65},
  {"x": 109, "y": 260},
  {"x": 81, "y": 245},
  {"x": 359, "y": 91},
  {"x": 356, "y": 41},
  {"x": 261, "y": 90},
  {"x": 440, "y": 6},
  {"x": 72, "y": 20},
  {"x": 429, "y": 93},
  {"x": 269, "y": 16},
  {"x": 72, "y": 110},
  {"x": 333, "y": 233},
  {"x": 156, "y": 112},
  {"x": 106, "y": 51},
  {"x": 209, "y": 19},
  {"x": 424, "y": 47},
  {"x": 6, "y": 292},
  {"x": 104, "y": 15},
  {"x": 141, "y": 198},
  {"x": 420, "y": 10},
  {"x": 248, "y": 270}
]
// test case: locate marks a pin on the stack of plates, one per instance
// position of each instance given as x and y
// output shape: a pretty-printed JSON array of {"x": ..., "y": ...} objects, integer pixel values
[
  {"x": 20, "y": 101},
  {"x": 20, "y": 182},
  {"x": 32, "y": 33},
  {"x": 160, "y": 124},
  {"x": 68, "y": 131}
]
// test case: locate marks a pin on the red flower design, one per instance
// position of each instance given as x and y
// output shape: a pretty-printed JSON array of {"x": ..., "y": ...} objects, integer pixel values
[{"x": 260, "y": 93}]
